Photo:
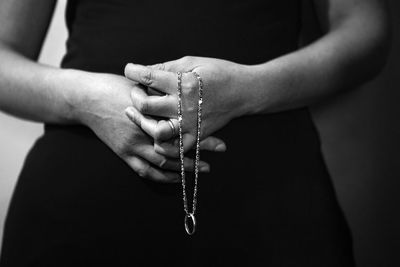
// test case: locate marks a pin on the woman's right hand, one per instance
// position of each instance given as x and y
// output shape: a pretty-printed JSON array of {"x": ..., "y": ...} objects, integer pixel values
[{"x": 101, "y": 106}]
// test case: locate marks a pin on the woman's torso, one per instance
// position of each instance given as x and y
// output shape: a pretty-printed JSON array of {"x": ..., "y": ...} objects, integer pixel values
[{"x": 267, "y": 200}]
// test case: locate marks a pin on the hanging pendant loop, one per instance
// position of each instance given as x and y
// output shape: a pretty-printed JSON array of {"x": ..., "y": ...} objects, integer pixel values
[{"x": 189, "y": 218}]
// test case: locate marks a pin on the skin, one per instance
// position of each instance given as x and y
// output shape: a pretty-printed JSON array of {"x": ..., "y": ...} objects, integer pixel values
[
  {"x": 351, "y": 49},
  {"x": 37, "y": 92}
]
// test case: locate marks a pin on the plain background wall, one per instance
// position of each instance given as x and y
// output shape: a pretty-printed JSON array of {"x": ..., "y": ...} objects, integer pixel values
[{"x": 360, "y": 133}]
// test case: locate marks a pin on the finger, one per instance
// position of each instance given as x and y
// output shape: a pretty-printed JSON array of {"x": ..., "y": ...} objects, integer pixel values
[
  {"x": 171, "y": 148},
  {"x": 158, "y": 66},
  {"x": 212, "y": 143},
  {"x": 172, "y": 164},
  {"x": 151, "y": 91},
  {"x": 148, "y": 153},
  {"x": 149, "y": 125},
  {"x": 171, "y": 151},
  {"x": 183, "y": 64},
  {"x": 159, "y": 130},
  {"x": 145, "y": 170},
  {"x": 168, "y": 149},
  {"x": 175, "y": 165},
  {"x": 167, "y": 66},
  {"x": 188, "y": 141},
  {"x": 163, "y": 81},
  {"x": 188, "y": 163},
  {"x": 188, "y": 81},
  {"x": 161, "y": 106}
]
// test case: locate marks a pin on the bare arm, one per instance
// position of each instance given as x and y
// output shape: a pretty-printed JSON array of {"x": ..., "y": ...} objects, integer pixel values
[
  {"x": 47, "y": 94},
  {"x": 28, "y": 89},
  {"x": 352, "y": 50}
]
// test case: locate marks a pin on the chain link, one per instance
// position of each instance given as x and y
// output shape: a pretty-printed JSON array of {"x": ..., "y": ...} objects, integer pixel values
[{"x": 188, "y": 214}]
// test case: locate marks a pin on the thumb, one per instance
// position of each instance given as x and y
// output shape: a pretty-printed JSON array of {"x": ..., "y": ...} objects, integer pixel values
[{"x": 173, "y": 66}]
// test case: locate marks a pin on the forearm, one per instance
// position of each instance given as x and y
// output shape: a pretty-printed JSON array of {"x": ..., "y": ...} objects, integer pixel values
[
  {"x": 34, "y": 91},
  {"x": 348, "y": 55}
]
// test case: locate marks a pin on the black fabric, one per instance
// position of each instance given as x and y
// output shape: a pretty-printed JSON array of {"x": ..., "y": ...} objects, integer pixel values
[{"x": 268, "y": 200}]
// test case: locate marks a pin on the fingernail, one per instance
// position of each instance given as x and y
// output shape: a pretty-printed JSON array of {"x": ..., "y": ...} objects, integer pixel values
[
  {"x": 205, "y": 168},
  {"x": 158, "y": 148},
  {"x": 128, "y": 65},
  {"x": 220, "y": 148},
  {"x": 129, "y": 111}
]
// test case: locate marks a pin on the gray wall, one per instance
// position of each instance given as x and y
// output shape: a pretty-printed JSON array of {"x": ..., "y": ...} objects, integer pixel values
[{"x": 360, "y": 133}]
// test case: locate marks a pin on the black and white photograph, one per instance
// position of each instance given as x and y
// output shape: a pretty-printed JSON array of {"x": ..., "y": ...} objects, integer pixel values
[{"x": 204, "y": 133}]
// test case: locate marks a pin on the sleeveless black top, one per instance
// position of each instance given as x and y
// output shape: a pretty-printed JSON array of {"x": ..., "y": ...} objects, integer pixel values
[{"x": 268, "y": 200}]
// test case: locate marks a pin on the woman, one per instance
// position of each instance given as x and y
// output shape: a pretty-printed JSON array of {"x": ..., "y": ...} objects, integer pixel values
[{"x": 267, "y": 201}]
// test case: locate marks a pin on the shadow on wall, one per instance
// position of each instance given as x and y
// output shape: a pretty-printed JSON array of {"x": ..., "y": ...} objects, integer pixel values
[{"x": 360, "y": 132}]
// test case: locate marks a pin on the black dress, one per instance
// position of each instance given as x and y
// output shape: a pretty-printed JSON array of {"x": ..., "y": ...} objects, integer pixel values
[{"x": 268, "y": 200}]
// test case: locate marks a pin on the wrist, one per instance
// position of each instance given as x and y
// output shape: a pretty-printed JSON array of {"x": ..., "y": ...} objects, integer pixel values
[
  {"x": 264, "y": 88},
  {"x": 248, "y": 79},
  {"x": 75, "y": 95}
]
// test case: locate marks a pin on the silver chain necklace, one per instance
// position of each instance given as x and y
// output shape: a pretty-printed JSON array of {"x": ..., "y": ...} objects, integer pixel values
[{"x": 190, "y": 216}]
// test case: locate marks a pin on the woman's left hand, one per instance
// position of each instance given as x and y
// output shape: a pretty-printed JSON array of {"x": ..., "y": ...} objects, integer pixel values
[{"x": 223, "y": 98}]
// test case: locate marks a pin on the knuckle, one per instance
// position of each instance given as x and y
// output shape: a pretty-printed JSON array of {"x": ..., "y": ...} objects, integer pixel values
[
  {"x": 160, "y": 66},
  {"x": 191, "y": 84},
  {"x": 158, "y": 134},
  {"x": 187, "y": 59},
  {"x": 126, "y": 153},
  {"x": 146, "y": 77},
  {"x": 121, "y": 149}
]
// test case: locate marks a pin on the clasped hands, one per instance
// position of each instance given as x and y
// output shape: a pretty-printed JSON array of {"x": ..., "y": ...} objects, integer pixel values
[{"x": 149, "y": 146}]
